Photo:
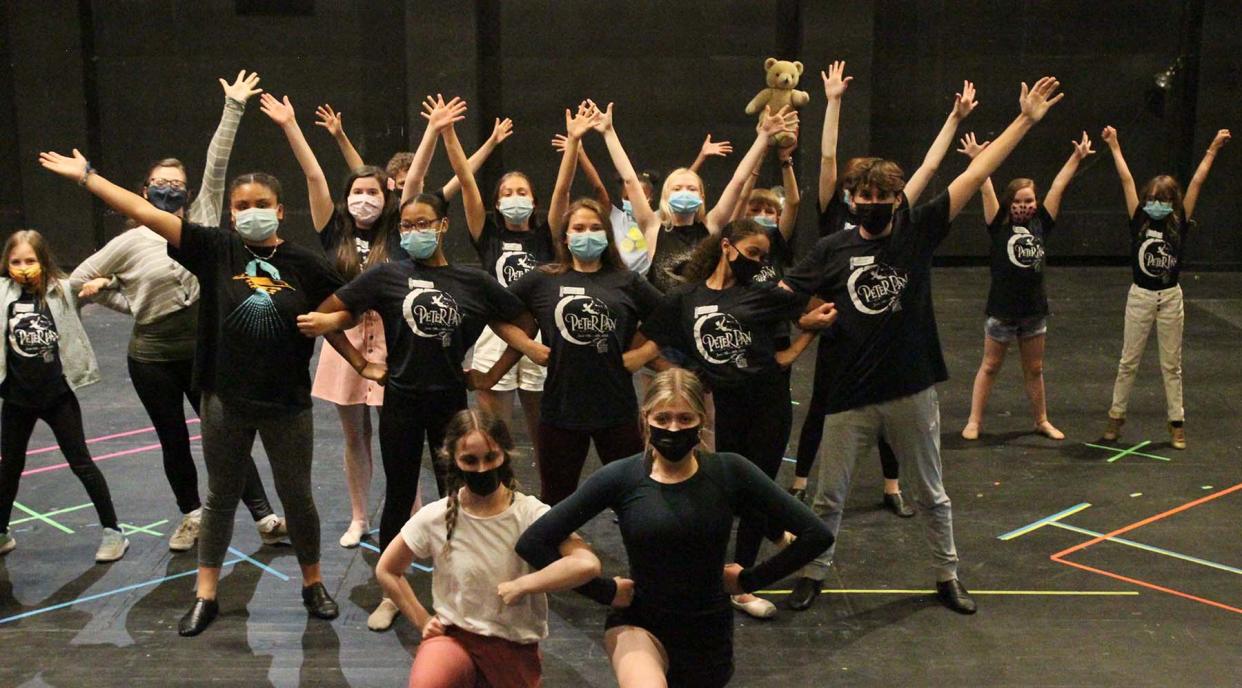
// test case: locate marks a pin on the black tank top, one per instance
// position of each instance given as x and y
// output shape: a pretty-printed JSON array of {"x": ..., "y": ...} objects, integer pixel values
[{"x": 674, "y": 246}]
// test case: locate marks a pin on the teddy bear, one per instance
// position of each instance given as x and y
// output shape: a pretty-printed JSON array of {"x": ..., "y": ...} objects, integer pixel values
[{"x": 782, "y": 78}]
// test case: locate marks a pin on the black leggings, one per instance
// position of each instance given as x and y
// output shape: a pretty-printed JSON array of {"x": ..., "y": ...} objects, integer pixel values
[
  {"x": 64, "y": 416},
  {"x": 754, "y": 421},
  {"x": 563, "y": 453},
  {"x": 404, "y": 420},
  {"x": 813, "y": 432},
  {"x": 160, "y": 387}
]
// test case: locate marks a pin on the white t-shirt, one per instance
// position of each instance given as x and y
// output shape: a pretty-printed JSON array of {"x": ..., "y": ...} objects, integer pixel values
[
  {"x": 464, "y": 583},
  {"x": 630, "y": 241}
]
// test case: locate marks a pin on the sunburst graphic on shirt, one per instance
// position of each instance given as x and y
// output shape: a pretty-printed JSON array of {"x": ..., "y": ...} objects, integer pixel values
[
  {"x": 257, "y": 317},
  {"x": 634, "y": 240}
]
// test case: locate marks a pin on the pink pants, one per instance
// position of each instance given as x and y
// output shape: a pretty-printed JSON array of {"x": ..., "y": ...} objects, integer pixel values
[{"x": 461, "y": 659}]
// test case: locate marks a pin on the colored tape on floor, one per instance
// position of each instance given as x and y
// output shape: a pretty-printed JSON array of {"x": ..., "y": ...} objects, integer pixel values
[{"x": 912, "y": 591}]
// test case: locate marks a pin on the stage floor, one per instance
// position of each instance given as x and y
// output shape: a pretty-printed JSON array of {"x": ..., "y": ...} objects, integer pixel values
[{"x": 1092, "y": 563}]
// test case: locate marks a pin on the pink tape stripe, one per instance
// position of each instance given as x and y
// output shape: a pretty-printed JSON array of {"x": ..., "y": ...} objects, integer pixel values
[
  {"x": 105, "y": 438},
  {"x": 97, "y": 459}
]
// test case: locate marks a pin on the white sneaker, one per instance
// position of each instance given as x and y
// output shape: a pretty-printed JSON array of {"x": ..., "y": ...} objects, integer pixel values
[
  {"x": 186, "y": 534},
  {"x": 758, "y": 607},
  {"x": 353, "y": 536},
  {"x": 384, "y": 615},
  {"x": 272, "y": 529},
  {"x": 111, "y": 547},
  {"x": 7, "y": 543}
]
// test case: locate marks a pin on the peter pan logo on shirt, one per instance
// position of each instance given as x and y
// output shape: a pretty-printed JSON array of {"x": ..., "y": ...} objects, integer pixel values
[
  {"x": 513, "y": 262},
  {"x": 32, "y": 334},
  {"x": 584, "y": 320},
  {"x": 363, "y": 247},
  {"x": 767, "y": 273},
  {"x": 257, "y": 317},
  {"x": 1025, "y": 249},
  {"x": 875, "y": 287},
  {"x": 1154, "y": 258},
  {"x": 431, "y": 313},
  {"x": 719, "y": 337}
]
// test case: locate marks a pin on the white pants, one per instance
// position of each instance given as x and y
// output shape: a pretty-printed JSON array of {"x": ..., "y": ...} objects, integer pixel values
[
  {"x": 1166, "y": 310},
  {"x": 525, "y": 375}
]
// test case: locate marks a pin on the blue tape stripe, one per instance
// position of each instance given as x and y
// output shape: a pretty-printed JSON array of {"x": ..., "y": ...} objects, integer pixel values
[
  {"x": 1043, "y": 521},
  {"x": 259, "y": 564},
  {"x": 1150, "y": 548}
]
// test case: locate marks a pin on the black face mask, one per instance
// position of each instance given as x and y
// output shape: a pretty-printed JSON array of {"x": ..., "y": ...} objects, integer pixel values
[
  {"x": 482, "y": 483},
  {"x": 744, "y": 268},
  {"x": 873, "y": 217},
  {"x": 674, "y": 445},
  {"x": 167, "y": 198}
]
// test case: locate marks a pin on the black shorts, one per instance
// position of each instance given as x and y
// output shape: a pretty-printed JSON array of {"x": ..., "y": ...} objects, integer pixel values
[{"x": 699, "y": 644}]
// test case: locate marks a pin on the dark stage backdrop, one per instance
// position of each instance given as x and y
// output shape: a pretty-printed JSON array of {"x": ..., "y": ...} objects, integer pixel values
[{"x": 131, "y": 81}]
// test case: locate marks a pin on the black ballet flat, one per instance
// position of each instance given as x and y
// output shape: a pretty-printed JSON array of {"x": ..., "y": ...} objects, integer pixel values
[
  {"x": 199, "y": 617},
  {"x": 954, "y": 596},
  {"x": 803, "y": 595},
  {"x": 897, "y": 504},
  {"x": 799, "y": 493},
  {"x": 318, "y": 602}
]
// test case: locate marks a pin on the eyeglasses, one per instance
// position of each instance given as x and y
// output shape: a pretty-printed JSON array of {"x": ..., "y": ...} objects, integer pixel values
[
  {"x": 420, "y": 225},
  {"x": 174, "y": 183}
]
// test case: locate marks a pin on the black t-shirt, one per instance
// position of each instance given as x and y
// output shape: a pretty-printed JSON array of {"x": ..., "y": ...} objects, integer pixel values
[
  {"x": 1017, "y": 289},
  {"x": 332, "y": 234},
  {"x": 884, "y": 344},
  {"x": 33, "y": 373},
  {"x": 836, "y": 216},
  {"x": 677, "y": 536},
  {"x": 249, "y": 351},
  {"x": 1155, "y": 252},
  {"x": 674, "y": 246},
  {"x": 588, "y": 320},
  {"x": 507, "y": 255},
  {"x": 431, "y": 316},
  {"x": 729, "y": 334}
]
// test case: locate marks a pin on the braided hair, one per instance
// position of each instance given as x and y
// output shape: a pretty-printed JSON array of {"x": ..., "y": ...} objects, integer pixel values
[{"x": 462, "y": 424}]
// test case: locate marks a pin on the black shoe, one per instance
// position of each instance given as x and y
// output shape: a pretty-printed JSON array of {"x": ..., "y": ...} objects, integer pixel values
[
  {"x": 318, "y": 602},
  {"x": 954, "y": 596},
  {"x": 803, "y": 595},
  {"x": 897, "y": 504},
  {"x": 199, "y": 617},
  {"x": 799, "y": 493}
]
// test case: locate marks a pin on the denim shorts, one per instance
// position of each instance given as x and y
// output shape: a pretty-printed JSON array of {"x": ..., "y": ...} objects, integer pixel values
[{"x": 1008, "y": 330}]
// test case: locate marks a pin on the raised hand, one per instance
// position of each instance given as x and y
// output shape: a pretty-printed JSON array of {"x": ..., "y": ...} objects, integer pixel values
[
  {"x": 559, "y": 141},
  {"x": 330, "y": 119},
  {"x": 441, "y": 115},
  {"x": 602, "y": 123},
  {"x": 242, "y": 87},
  {"x": 1036, "y": 101},
  {"x": 1109, "y": 134},
  {"x": 784, "y": 120},
  {"x": 577, "y": 125},
  {"x": 835, "y": 81},
  {"x": 970, "y": 147},
  {"x": 964, "y": 103},
  {"x": 501, "y": 130},
  {"x": 281, "y": 111},
  {"x": 786, "y": 152},
  {"x": 68, "y": 167},
  {"x": 718, "y": 148},
  {"x": 1082, "y": 148},
  {"x": 1222, "y": 137}
]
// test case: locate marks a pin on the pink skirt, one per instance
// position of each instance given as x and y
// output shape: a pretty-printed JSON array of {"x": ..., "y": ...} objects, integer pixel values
[{"x": 337, "y": 381}]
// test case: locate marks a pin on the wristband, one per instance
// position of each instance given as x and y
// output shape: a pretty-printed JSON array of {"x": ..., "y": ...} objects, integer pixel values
[
  {"x": 86, "y": 174},
  {"x": 787, "y": 162}
]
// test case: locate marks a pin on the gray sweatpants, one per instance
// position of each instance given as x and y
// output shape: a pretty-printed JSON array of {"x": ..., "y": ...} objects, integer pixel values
[
  {"x": 228, "y": 437},
  {"x": 911, "y": 425}
]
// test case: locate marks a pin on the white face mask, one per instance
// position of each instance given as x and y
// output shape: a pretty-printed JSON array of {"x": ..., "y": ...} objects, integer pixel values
[{"x": 365, "y": 207}]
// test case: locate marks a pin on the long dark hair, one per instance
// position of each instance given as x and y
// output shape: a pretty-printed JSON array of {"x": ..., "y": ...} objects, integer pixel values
[
  {"x": 1163, "y": 188},
  {"x": 347, "y": 263},
  {"x": 707, "y": 254},
  {"x": 463, "y": 423},
  {"x": 610, "y": 260},
  {"x": 52, "y": 273}
]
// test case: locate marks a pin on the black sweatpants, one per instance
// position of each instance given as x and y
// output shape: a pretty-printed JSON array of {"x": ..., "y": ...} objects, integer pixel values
[
  {"x": 813, "y": 432},
  {"x": 64, "y": 416},
  {"x": 160, "y": 387},
  {"x": 405, "y": 420},
  {"x": 563, "y": 453}
]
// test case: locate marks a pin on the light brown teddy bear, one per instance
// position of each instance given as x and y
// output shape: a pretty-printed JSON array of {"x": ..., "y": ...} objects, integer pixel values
[{"x": 782, "y": 79}]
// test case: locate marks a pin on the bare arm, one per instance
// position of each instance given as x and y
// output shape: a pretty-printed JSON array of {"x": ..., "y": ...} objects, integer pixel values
[
  {"x": 991, "y": 205},
  {"x": 416, "y": 175},
  {"x": 334, "y": 122},
  {"x": 576, "y": 126},
  {"x": 1035, "y": 103},
  {"x": 577, "y": 565},
  {"x": 281, "y": 112},
  {"x": 118, "y": 198},
  {"x": 708, "y": 149},
  {"x": 835, "y": 83},
  {"x": 644, "y": 216},
  {"x": 739, "y": 210},
  {"x": 784, "y": 121},
  {"x": 390, "y": 572},
  {"x": 963, "y": 104},
  {"x": 442, "y": 118},
  {"x": 786, "y": 357},
  {"x": 501, "y": 130},
  {"x": 1123, "y": 170},
  {"x": 1052, "y": 202},
  {"x": 1196, "y": 182},
  {"x": 793, "y": 196},
  {"x": 588, "y": 170}
]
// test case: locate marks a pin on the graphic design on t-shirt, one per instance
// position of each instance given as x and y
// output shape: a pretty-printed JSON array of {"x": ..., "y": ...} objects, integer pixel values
[
  {"x": 1154, "y": 257},
  {"x": 1025, "y": 249},
  {"x": 363, "y": 247},
  {"x": 634, "y": 239},
  {"x": 719, "y": 337},
  {"x": 257, "y": 316},
  {"x": 766, "y": 274},
  {"x": 875, "y": 287},
  {"x": 513, "y": 262},
  {"x": 431, "y": 313},
  {"x": 584, "y": 320},
  {"x": 32, "y": 334}
]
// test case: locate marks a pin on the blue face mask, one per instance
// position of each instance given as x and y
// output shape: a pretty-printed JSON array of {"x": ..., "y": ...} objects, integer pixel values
[
  {"x": 167, "y": 198},
  {"x": 684, "y": 202},
  {"x": 1158, "y": 210},
  {"x": 420, "y": 244},
  {"x": 627, "y": 207},
  {"x": 256, "y": 224},
  {"x": 764, "y": 221},
  {"x": 516, "y": 208},
  {"x": 588, "y": 245}
]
